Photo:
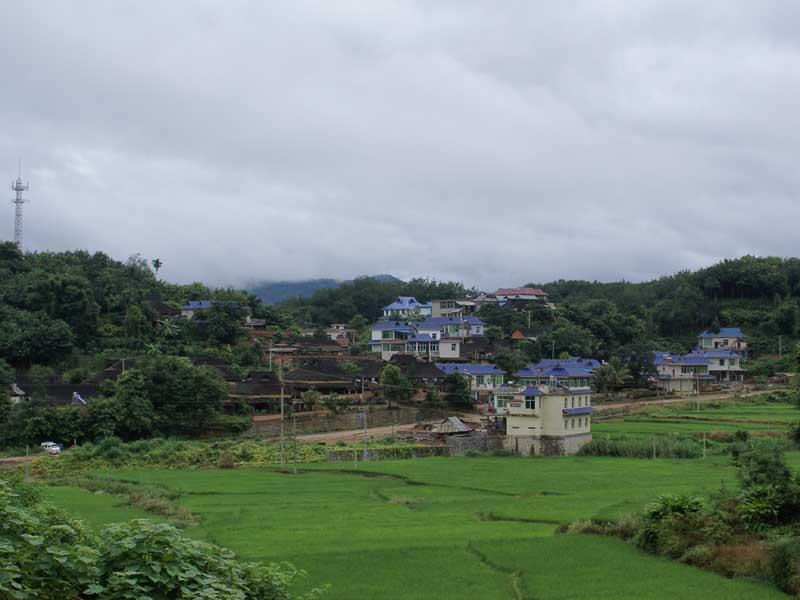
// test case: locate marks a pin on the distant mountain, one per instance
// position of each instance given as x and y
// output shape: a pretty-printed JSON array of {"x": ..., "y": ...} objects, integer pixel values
[{"x": 273, "y": 292}]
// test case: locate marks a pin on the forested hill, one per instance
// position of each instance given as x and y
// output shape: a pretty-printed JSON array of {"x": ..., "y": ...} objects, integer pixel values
[
  {"x": 57, "y": 307},
  {"x": 273, "y": 292},
  {"x": 760, "y": 295}
]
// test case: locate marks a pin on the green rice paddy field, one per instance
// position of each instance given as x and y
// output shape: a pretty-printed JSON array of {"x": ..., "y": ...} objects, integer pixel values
[
  {"x": 685, "y": 419},
  {"x": 459, "y": 528}
]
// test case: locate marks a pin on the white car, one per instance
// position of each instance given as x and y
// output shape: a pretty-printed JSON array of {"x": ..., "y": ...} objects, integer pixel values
[{"x": 51, "y": 447}]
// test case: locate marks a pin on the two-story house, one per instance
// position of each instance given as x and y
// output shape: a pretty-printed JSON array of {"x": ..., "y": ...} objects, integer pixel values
[
  {"x": 681, "y": 373},
  {"x": 401, "y": 307},
  {"x": 723, "y": 365},
  {"x": 433, "y": 338},
  {"x": 578, "y": 368},
  {"x": 452, "y": 308},
  {"x": 727, "y": 338},
  {"x": 390, "y": 337},
  {"x": 483, "y": 378},
  {"x": 552, "y": 417}
]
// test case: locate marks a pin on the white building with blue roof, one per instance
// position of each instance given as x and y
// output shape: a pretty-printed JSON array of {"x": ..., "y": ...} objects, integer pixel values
[
  {"x": 549, "y": 413},
  {"x": 727, "y": 338},
  {"x": 403, "y": 306},
  {"x": 431, "y": 339},
  {"x": 691, "y": 373}
]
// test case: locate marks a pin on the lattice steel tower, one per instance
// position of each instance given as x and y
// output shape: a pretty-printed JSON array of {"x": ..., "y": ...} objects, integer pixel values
[{"x": 18, "y": 187}]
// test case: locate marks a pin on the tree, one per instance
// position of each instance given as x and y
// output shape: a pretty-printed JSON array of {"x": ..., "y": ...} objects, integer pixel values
[
  {"x": 225, "y": 322},
  {"x": 185, "y": 398},
  {"x": 7, "y": 374},
  {"x": 639, "y": 357},
  {"x": 458, "y": 389},
  {"x": 612, "y": 376},
  {"x": 135, "y": 410},
  {"x": 27, "y": 337},
  {"x": 510, "y": 360},
  {"x": 395, "y": 386},
  {"x": 157, "y": 264}
]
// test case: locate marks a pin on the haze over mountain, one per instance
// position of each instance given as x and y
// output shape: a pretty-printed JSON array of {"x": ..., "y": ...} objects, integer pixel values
[{"x": 273, "y": 292}]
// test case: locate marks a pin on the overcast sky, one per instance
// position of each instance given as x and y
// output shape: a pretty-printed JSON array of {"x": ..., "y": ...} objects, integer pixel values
[{"x": 493, "y": 143}]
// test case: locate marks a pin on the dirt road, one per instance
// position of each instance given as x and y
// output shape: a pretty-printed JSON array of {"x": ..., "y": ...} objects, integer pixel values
[{"x": 353, "y": 435}]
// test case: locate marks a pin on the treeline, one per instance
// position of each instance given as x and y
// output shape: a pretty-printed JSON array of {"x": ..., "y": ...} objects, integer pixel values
[{"x": 759, "y": 295}]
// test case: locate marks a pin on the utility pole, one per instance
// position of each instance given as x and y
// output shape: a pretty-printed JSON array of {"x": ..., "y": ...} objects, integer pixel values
[
  {"x": 270, "y": 356},
  {"x": 780, "y": 346},
  {"x": 294, "y": 439},
  {"x": 283, "y": 440},
  {"x": 364, "y": 417},
  {"x": 18, "y": 187},
  {"x": 553, "y": 351}
]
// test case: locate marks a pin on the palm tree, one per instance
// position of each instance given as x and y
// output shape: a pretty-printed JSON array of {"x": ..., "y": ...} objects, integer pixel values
[
  {"x": 157, "y": 264},
  {"x": 612, "y": 376}
]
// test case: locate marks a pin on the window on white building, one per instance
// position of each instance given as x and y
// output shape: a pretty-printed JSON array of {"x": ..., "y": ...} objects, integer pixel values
[
  {"x": 530, "y": 403},
  {"x": 452, "y": 347}
]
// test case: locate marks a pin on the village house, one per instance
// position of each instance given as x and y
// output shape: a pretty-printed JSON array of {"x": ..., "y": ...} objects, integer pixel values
[
  {"x": 483, "y": 378},
  {"x": 521, "y": 295},
  {"x": 341, "y": 334},
  {"x": 727, "y": 338},
  {"x": 434, "y": 338},
  {"x": 523, "y": 333},
  {"x": 575, "y": 366},
  {"x": 681, "y": 374},
  {"x": 723, "y": 365},
  {"x": 402, "y": 307},
  {"x": 192, "y": 306},
  {"x": 452, "y": 308},
  {"x": 552, "y": 417}
]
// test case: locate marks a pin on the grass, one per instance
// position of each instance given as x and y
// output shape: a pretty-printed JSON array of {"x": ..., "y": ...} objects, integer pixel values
[
  {"x": 444, "y": 527},
  {"x": 461, "y": 527},
  {"x": 759, "y": 419}
]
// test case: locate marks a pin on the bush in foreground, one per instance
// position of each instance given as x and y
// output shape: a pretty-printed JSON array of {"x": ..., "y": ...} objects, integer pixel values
[{"x": 44, "y": 554}]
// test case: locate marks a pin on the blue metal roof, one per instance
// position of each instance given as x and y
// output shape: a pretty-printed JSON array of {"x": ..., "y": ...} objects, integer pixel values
[
  {"x": 197, "y": 305},
  {"x": 469, "y": 368},
  {"x": 718, "y": 353},
  {"x": 421, "y": 337},
  {"x": 693, "y": 359},
  {"x": 733, "y": 332},
  {"x": 586, "y": 363},
  {"x": 532, "y": 391},
  {"x": 568, "y": 370},
  {"x": 403, "y": 303},
  {"x": 581, "y": 410},
  {"x": 396, "y": 325}
]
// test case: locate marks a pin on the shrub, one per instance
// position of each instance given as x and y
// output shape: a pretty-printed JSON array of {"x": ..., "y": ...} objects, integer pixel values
[
  {"x": 784, "y": 556},
  {"x": 226, "y": 460},
  {"x": 44, "y": 554}
]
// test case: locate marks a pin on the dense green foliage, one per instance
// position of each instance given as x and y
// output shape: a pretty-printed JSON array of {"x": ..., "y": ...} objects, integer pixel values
[
  {"x": 46, "y": 555},
  {"x": 166, "y": 396}
]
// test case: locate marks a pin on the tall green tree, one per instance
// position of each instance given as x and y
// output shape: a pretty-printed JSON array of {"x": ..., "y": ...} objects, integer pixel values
[
  {"x": 185, "y": 398},
  {"x": 395, "y": 386}
]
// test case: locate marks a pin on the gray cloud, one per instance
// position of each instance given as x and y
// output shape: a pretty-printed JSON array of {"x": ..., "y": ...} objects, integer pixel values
[{"x": 495, "y": 144}]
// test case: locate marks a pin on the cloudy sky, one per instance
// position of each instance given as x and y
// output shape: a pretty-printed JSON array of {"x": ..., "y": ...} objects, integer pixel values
[{"x": 493, "y": 143}]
